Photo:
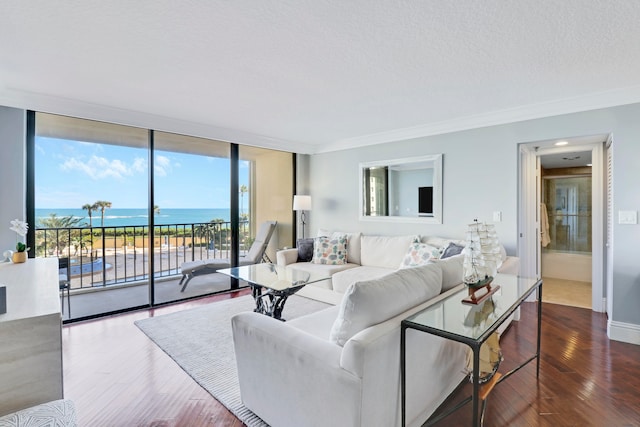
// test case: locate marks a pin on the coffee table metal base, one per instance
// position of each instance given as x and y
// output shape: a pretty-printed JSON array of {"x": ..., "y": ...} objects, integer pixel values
[{"x": 270, "y": 302}]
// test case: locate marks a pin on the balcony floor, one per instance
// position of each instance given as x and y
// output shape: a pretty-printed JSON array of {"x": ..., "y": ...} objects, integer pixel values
[{"x": 99, "y": 300}]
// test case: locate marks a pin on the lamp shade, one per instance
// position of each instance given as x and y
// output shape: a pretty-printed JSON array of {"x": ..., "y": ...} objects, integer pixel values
[{"x": 301, "y": 203}]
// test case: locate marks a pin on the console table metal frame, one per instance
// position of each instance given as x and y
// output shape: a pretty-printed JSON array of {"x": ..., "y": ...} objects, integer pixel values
[{"x": 475, "y": 345}]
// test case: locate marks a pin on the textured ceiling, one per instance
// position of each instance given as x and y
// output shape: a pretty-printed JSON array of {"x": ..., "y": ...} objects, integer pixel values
[{"x": 315, "y": 75}]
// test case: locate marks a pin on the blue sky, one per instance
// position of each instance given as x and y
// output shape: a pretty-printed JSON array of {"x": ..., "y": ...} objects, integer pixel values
[{"x": 70, "y": 174}]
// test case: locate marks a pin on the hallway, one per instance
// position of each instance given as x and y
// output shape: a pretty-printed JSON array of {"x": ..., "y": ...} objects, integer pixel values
[{"x": 566, "y": 292}]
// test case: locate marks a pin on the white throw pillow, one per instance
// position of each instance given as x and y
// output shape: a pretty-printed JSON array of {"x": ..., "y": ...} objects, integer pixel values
[
  {"x": 385, "y": 251},
  {"x": 451, "y": 271},
  {"x": 373, "y": 301}
]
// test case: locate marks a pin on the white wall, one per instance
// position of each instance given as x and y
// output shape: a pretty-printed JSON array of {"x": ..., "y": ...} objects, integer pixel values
[
  {"x": 480, "y": 176},
  {"x": 334, "y": 183},
  {"x": 12, "y": 176}
]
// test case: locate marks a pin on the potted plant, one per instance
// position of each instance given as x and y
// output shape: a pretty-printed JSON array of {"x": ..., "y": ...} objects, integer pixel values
[{"x": 20, "y": 227}]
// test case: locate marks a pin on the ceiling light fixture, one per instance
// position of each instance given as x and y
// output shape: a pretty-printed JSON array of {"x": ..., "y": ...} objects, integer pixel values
[{"x": 561, "y": 143}]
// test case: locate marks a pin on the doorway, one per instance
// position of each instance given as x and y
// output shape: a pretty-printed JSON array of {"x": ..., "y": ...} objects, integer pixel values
[
  {"x": 562, "y": 210},
  {"x": 566, "y": 220}
]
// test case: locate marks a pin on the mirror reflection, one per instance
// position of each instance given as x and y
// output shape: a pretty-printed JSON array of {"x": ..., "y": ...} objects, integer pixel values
[{"x": 402, "y": 189}]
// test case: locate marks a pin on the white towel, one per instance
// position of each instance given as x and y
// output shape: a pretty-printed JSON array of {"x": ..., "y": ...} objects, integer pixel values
[{"x": 544, "y": 226}]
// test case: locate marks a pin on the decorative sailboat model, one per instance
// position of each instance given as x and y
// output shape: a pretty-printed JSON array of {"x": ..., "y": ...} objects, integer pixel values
[{"x": 481, "y": 257}]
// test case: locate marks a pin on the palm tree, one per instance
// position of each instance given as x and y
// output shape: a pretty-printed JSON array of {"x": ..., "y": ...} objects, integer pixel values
[
  {"x": 243, "y": 189},
  {"x": 156, "y": 210},
  {"x": 55, "y": 221},
  {"x": 102, "y": 205},
  {"x": 90, "y": 209},
  {"x": 60, "y": 238},
  {"x": 210, "y": 231}
]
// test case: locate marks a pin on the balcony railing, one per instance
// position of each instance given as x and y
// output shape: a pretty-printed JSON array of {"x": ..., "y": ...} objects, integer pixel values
[{"x": 104, "y": 256}]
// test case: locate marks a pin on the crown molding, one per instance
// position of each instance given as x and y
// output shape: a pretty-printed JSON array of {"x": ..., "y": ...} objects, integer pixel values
[
  {"x": 594, "y": 101},
  {"x": 85, "y": 110},
  {"x": 81, "y": 109}
]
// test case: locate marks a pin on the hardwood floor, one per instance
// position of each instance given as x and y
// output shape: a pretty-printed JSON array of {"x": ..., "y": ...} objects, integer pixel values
[
  {"x": 585, "y": 379},
  {"x": 118, "y": 377}
]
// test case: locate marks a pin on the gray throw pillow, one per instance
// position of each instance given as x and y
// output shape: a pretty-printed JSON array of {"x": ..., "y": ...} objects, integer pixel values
[
  {"x": 451, "y": 250},
  {"x": 305, "y": 249}
]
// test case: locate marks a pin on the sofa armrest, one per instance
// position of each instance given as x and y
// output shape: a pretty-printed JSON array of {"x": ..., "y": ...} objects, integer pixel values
[
  {"x": 511, "y": 265},
  {"x": 287, "y": 256},
  {"x": 279, "y": 363}
]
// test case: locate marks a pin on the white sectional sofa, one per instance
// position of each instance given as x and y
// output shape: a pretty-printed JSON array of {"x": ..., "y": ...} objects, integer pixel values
[
  {"x": 341, "y": 366},
  {"x": 370, "y": 257}
]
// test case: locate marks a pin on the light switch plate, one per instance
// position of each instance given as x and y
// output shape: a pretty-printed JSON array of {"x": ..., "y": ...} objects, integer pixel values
[
  {"x": 627, "y": 217},
  {"x": 497, "y": 216}
]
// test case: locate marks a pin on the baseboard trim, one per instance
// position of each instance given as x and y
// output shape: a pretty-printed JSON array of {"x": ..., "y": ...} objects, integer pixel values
[{"x": 625, "y": 332}]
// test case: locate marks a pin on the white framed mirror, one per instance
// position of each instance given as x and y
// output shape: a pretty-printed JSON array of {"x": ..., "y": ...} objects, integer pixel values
[{"x": 402, "y": 190}]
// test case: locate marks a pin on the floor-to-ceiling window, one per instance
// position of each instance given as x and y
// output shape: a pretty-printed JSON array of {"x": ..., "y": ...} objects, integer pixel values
[
  {"x": 266, "y": 194},
  {"x": 192, "y": 185},
  {"x": 91, "y": 206},
  {"x": 128, "y": 207}
]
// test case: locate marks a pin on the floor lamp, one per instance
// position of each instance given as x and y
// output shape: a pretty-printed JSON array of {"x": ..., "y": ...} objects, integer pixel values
[{"x": 302, "y": 203}]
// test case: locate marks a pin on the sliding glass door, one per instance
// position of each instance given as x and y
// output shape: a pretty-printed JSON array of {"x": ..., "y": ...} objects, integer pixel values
[
  {"x": 192, "y": 221},
  {"x": 91, "y": 209},
  {"x": 133, "y": 210}
]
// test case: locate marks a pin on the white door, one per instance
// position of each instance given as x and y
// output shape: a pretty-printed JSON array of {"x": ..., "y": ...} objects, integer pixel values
[{"x": 529, "y": 213}]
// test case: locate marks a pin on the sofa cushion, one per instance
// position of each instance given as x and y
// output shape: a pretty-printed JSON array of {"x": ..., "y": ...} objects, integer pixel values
[
  {"x": 353, "y": 243},
  {"x": 305, "y": 249},
  {"x": 327, "y": 250},
  {"x": 318, "y": 323},
  {"x": 323, "y": 269},
  {"x": 451, "y": 271},
  {"x": 370, "y": 302},
  {"x": 419, "y": 254},
  {"x": 441, "y": 242},
  {"x": 385, "y": 251},
  {"x": 343, "y": 279}
]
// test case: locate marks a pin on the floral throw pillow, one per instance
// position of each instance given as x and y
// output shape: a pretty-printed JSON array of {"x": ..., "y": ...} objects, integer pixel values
[
  {"x": 419, "y": 254},
  {"x": 330, "y": 250}
]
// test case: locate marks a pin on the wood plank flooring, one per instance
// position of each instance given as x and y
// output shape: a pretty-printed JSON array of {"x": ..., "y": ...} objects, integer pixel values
[
  {"x": 118, "y": 377},
  {"x": 585, "y": 379}
]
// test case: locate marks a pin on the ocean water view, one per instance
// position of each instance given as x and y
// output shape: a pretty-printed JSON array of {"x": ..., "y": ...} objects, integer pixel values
[{"x": 129, "y": 217}]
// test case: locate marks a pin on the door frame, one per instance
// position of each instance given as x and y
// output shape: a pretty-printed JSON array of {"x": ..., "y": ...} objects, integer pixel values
[{"x": 529, "y": 248}]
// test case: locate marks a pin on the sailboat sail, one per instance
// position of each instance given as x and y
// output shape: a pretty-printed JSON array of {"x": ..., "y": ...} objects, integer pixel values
[{"x": 481, "y": 254}]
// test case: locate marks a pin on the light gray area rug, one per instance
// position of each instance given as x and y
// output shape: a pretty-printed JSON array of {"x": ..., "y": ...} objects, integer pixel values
[{"x": 201, "y": 342}]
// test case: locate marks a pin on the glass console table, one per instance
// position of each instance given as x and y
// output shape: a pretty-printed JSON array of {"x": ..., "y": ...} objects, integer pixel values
[
  {"x": 471, "y": 325},
  {"x": 272, "y": 284}
]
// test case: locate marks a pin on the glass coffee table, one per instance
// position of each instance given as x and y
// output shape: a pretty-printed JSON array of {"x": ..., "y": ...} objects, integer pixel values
[
  {"x": 272, "y": 284},
  {"x": 472, "y": 325}
]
